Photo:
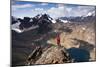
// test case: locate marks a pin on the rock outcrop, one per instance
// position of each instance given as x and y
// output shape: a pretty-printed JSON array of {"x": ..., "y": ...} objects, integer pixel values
[{"x": 54, "y": 55}]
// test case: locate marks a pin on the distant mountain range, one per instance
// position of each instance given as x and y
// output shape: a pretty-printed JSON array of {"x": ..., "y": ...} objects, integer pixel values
[
  {"x": 41, "y": 21},
  {"x": 91, "y": 16}
]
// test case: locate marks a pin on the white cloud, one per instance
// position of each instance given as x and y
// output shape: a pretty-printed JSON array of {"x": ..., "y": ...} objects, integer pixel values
[
  {"x": 54, "y": 12},
  {"x": 22, "y": 6},
  {"x": 59, "y": 11},
  {"x": 43, "y": 4},
  {"x": 60, "y": 5},
  {"x": 80, "y": 10},
  {"x": 15, "y": 7},
  {"x": 38, "y": 9},
  {"x": 62, "y": 11}
]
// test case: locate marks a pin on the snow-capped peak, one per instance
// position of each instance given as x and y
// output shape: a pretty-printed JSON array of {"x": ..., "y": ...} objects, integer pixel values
[
  {"x": 91, "y": 13},
  {"x": 31, "y": 20},
  {"x": 38, "y": 16},
  {"x": 53, "y": 21}
]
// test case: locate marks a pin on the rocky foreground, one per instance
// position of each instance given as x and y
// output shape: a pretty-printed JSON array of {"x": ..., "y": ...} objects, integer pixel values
[
  {"x": 53, "y": 55},
  {"x": 58, "y": 55}
]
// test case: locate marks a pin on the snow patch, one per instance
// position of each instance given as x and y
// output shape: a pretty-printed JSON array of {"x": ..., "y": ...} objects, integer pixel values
[
  {"x": 17, "y": 30},
  {"x": 64, "y": 21},
  {"x": 53, "y": 21}
]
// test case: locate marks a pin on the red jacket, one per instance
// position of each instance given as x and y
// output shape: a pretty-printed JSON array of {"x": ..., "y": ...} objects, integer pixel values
[{"x": 58, "y": 39}]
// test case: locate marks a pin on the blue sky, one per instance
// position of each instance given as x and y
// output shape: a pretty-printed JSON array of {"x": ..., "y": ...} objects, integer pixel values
[{"x": 31, "y": 9}]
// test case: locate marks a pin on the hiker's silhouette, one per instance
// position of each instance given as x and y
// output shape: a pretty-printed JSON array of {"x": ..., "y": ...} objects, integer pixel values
[{"x": 58, "y": 39}]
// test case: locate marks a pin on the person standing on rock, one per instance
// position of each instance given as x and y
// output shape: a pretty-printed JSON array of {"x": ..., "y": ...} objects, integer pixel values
[{"x": 58, "y": 40}]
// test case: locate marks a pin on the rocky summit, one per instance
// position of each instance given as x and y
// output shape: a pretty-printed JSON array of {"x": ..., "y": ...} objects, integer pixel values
[{"x": 54, "y": 55}]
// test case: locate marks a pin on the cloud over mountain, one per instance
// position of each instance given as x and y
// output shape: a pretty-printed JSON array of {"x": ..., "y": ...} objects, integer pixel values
[{"x": 20, "y": 9}]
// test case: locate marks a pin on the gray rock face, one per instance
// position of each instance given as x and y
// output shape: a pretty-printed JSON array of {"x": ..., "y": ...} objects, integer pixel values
[{"x": 54, "y": 55}]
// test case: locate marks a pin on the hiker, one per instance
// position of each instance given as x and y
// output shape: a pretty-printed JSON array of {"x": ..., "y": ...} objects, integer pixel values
[{"x": 58, "y": 39}]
